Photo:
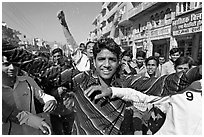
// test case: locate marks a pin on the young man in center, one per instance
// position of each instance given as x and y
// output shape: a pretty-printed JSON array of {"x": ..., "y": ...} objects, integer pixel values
[{"x": 105, "y": 115}]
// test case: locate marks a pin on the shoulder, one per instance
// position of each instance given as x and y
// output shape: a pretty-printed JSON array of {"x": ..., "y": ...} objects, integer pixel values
[
  {"x": 166, "y": 63},
  {"x": 26, "y": 79}
]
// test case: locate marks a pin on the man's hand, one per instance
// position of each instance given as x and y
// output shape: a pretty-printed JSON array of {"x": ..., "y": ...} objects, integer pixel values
[
  {"x": 68, "y": 101},
  {"x": 126, "y": 67},
  {"x": 45, "y": 128},
  {"x": 132, "y": 64},
  {"x": 61, "y": 90},
  {"x": 105, "y": 91},
  {"x": 61, "y": 17},
  {"x": 50, "y": 106}
]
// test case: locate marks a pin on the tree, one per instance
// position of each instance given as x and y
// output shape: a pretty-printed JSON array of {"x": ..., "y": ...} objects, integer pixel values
[{"x": 11, "y": 36}]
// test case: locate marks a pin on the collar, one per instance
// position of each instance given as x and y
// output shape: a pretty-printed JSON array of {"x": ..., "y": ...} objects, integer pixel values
[
  {"x": 171, "y": 62},
  {"x": 147, "y": 75}
]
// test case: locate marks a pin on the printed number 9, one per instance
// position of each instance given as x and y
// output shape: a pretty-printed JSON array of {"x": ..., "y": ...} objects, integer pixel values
[{"x": 189, "y": 96}]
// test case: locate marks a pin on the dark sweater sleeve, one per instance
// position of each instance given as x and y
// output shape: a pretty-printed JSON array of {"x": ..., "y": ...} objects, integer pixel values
[{"x": 66, "y": 77}]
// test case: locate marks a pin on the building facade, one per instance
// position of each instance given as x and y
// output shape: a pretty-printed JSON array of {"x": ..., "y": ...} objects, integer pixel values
[{"x": 154, "y": 26}]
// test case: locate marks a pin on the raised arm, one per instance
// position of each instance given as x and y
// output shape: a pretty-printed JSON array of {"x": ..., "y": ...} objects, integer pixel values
[
  {"x": 67, "y": 33},
  {"x": 115, "y": 23}
]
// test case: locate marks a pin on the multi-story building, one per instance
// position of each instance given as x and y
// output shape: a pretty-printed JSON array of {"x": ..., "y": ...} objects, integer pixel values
[
  {"x": 187, "y": 28},
  {"x": 153, "y": 26}
]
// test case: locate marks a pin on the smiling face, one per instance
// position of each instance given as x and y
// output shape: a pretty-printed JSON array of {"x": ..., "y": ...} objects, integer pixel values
[
  {"x": 8, "y": 69},
  {"x": 89, "y": 50},
  {"x": 151, "y": 67},
  {"x": 57, "y": 58},
  {"x": 140, "y": 61},
  {"x": 106, "y": 64}
]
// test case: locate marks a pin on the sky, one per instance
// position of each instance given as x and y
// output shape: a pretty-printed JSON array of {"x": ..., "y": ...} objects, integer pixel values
[{"x": 39, "y": 19}]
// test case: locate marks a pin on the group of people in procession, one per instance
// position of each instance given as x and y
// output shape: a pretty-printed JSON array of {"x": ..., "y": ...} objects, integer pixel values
[{"x": 99, "y": 90}]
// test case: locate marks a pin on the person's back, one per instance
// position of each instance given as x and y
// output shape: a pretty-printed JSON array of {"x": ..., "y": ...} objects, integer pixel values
[
  {"x": 19, "y": 92},
  {"x": 184, "y": 115}
]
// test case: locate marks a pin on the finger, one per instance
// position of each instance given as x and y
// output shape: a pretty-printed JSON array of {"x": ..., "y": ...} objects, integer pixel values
[
  {"x": 93, "y": 89},
  {"x": 42, "y": 129},
  {"x": 88, "y": 90},
  {"x": 99, "y": 96},
  {"x": 46, "y": 126}
]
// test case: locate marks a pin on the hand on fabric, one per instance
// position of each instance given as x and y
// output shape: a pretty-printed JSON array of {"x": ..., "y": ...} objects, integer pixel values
[
  {"x": 68, "y": 101},
  {"x": 50, "y": 106},
  {"x": 45, "y": 128},
  {"x": 61, "y": 90},
  {"x": 105, "y": 91}
]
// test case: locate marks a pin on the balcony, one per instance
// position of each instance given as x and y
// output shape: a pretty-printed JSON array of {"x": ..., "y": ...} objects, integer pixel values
[
  {"x": 124, "y": 21},
  {"x": 111, "y": 5},
  {"x": 103, "y": 12},
  {"x": 133, "y": 13}
]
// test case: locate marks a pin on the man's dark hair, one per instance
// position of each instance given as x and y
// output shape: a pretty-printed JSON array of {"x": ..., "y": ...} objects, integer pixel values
[
  {"x": 57, "y": 50},
  {"x": 89, "y": 43},
  {"x": 127, "y": 53},
  {"x": 183, "y": 60},
  {"x": 152, "y": 58},
  {"x": 174, "y": 50},
  {"x": 106, "y": 43},
  {"x": 141, "y": 54}
]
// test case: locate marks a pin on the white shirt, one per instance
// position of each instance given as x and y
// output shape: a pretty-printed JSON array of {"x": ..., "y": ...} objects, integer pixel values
[
  {"x": 84, "y": 63},
  {"x": 168, "y": 68},
  {"x": 183, "y": 110}
]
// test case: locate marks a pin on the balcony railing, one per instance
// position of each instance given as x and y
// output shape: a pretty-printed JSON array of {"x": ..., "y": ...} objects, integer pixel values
[{"x": 139, "y": 8}]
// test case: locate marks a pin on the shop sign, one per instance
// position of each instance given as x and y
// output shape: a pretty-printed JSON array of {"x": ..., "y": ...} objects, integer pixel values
[
  {"x": 139, "y": 36},
  {"x": 189, "y": 24},
  {"x": 163, "y": 31}
]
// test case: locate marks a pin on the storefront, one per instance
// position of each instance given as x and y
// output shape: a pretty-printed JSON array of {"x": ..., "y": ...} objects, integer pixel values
[
  {"x": 139, "y": 42},
  {"x": 187, "y": 29},
  {"x": 160, "y": 38}
]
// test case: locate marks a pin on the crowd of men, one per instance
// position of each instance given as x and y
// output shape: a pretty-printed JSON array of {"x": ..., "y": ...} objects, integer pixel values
[{"x": 99, "y": 90}]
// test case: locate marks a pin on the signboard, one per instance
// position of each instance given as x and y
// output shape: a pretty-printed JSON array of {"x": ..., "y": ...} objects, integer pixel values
[
  {"x": 163, "y": 31},
  {"x": 191, "y": 23}
]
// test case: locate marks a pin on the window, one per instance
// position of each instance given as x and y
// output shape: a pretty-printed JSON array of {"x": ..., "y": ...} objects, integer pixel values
[
  {"x": 183, "y": 7},
  {"x": 135, "y": 4}
]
